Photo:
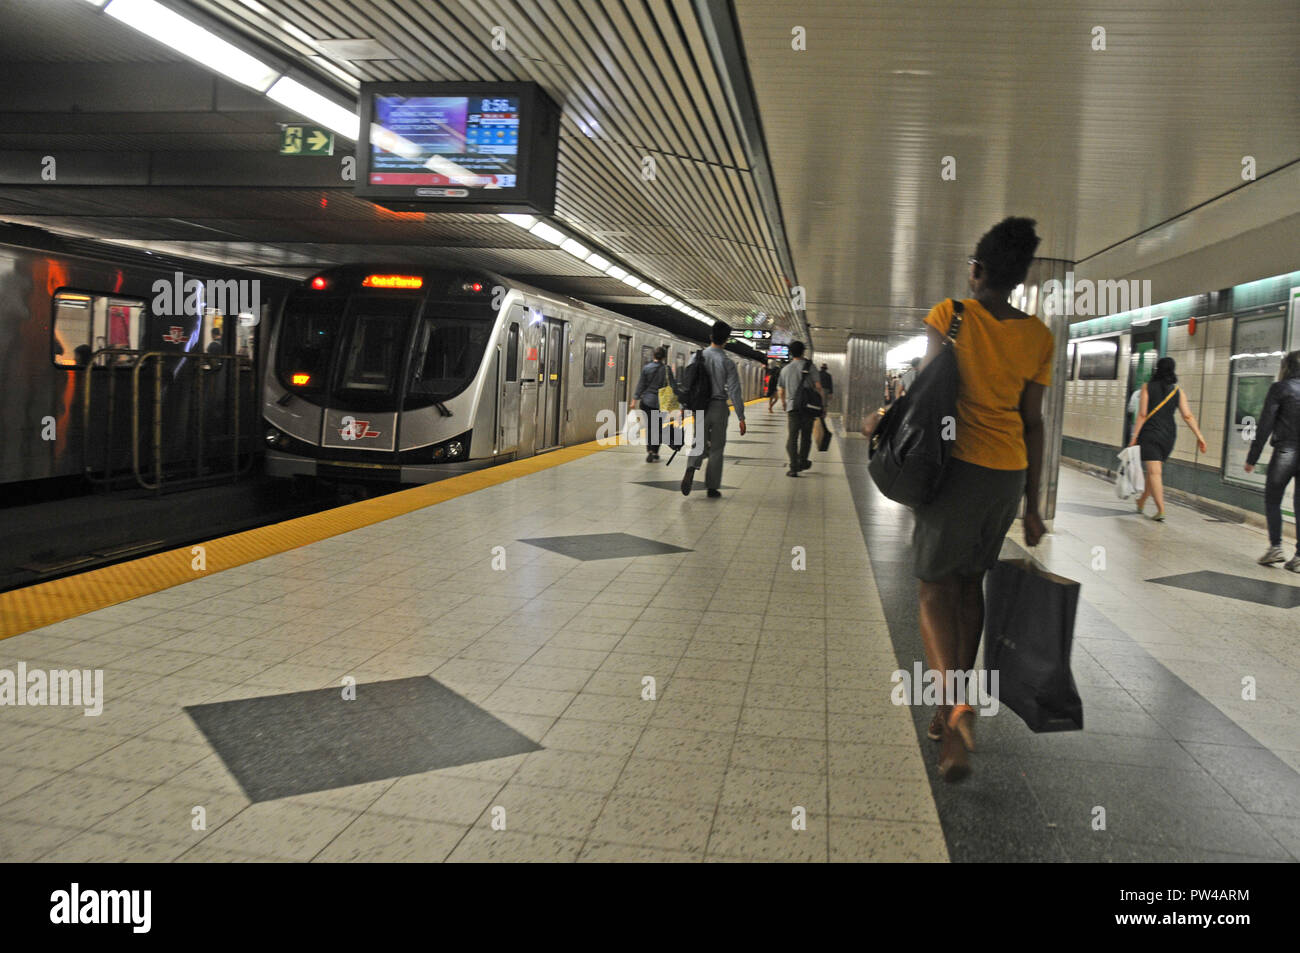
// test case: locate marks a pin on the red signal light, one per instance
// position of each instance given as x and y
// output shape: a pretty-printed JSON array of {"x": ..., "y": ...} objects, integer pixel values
[
  {"x": 476, "y": 286},
  {"x": 319, "y": 283}
]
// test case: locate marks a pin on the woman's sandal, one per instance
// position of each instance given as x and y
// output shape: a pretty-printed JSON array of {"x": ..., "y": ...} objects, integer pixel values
[
  {"x": 962, "y": 721},
  {"x": 959, "y": 738}
]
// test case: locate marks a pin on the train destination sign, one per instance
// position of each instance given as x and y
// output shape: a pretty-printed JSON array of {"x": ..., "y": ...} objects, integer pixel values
[{"x": 483, "y": 147}]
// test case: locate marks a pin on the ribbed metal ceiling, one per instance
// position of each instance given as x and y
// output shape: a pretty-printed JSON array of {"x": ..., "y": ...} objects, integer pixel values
[{"x": 1097, "y": 145}]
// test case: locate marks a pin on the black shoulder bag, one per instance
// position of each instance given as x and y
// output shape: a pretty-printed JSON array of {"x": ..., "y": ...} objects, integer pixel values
[{"x": 908, "y": 455}]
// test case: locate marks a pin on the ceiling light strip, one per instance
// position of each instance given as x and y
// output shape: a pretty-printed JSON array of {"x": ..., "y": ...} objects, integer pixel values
[
  {"x": 200, "y": 44},
  {"x": 574, "y": 248}
]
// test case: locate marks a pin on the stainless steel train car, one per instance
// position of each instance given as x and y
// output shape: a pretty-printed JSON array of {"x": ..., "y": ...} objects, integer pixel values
[
  {"x": 399, "y": 375},
  {"x": 114, "y": 361},
  {"x": 1228, "y": 345}
]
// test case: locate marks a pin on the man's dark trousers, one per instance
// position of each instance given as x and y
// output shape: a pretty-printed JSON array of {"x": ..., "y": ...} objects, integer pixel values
[{"x": 799, "y": 424}]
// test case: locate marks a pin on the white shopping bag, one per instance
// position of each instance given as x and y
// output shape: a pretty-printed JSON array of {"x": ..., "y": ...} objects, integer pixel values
[{"x": 1129, "y": 481}]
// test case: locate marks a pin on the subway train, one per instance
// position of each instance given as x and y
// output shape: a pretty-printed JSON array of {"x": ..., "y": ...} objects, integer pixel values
[
  {"x": 115, "y": 365},
  {"x": 401, "y": 375},
  {"x": 1227, "y": 344}
]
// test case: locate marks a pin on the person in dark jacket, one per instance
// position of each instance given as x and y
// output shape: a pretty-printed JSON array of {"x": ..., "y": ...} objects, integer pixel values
[
  {"x": 653, "y": 376},
  {"x": 1281, "y": 421},
  {"x": 1155, "y": 431},
  {"x": 828, "y": 388}
]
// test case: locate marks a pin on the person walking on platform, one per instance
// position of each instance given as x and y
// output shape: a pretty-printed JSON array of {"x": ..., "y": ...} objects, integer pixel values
[
  {"x": 909, "y": 375},
  {"x": 1004, "y": 360},
  {"x": 828, "y": 389},
  {"x": 1280, "y": 420},
  {"x": 653, "y": 376},
  {"x": 772, "y": 383},
  {"x": 1155, "y": 431},
  {"x": 796, "y": 376},
  {"x": 724, "y": 381}
]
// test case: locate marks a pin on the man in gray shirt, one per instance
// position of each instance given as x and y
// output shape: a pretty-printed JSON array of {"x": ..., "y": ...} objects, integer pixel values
[
  {"x": 799, "y": 420},
  {"x": 711, "y": 426}
]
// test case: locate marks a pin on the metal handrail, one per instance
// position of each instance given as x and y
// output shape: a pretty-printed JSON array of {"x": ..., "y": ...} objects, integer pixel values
[{"x": 137, "y": 364}]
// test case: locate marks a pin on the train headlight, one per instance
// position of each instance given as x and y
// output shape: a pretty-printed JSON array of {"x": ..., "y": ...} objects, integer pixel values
[
  {"x": 455, "y": 449},
  {"x": 274, "y": 438}
]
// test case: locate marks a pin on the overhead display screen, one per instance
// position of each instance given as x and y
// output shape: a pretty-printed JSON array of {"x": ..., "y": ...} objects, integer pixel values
[
  {"x": 485, "y": 146},
  {"x": 445, "y": 140}
]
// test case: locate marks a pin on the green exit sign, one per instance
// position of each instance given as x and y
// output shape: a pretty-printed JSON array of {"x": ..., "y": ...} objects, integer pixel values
[{"x": 299, "y": 140}]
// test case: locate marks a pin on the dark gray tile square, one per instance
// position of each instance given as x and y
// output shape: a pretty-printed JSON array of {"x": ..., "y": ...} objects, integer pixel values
[
  {"x": 604, "y": 545},
  {"x": 281, "y": 745},
  {"x": 1259, "y": 591}
]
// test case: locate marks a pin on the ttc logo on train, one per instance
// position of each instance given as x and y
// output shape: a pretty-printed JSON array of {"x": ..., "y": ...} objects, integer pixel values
[{"x": 354, "y": 429}]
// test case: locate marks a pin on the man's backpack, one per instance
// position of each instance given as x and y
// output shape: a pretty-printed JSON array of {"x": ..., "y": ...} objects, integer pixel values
[
  {"x": 806, "y": 399},
  {"x": 696, "y": 386}
]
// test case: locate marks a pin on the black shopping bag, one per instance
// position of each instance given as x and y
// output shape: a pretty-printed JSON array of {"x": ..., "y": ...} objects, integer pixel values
[{"x": 1028, "y": 631}]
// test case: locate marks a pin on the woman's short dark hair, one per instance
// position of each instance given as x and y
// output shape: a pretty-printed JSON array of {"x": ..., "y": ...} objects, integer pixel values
[
  {"x": 1006, "y": 251},
  {"x": 1165, "y": 371},
  {"x": 661, "y": 353},
  {"x": 1290, "y": 367}
]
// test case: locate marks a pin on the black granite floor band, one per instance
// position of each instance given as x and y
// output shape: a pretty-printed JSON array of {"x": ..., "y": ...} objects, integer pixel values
[{"x": 1176, "y": 778}]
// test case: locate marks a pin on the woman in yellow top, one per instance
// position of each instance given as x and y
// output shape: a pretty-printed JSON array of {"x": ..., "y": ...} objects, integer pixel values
[{"x": 1004, "y": 359}]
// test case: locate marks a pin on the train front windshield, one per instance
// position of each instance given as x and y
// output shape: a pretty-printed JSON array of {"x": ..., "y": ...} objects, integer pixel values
[
  {"x": 445, "y": 357},
  {"x": 379, "y": 354}
]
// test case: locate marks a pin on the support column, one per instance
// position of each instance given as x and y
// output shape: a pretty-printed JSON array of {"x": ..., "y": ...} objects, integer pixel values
[
  {"x": 864, "y": 389},
  {"x": 1031, "y": 301}
]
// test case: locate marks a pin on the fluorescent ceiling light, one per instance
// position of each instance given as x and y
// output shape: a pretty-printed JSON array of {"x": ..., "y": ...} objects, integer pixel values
[
  {"x": 547, "y": 233},
  {"x": 645, "y": 287},
  {"x": 600, "y": 264},
  {"x": 656, "y": 293},
  {"x": 293, "y": 94},
  {"x": 98, "y": 3},
  {"x": 631, "y": 279},
  {"x": 616, "y": 272},
  {"x": 185, "y": 36},
  {"x": 523, "y": 221},
  {"x": 575, "y": 248}
]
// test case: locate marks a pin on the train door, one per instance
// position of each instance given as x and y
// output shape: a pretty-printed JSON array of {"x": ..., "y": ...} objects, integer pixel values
[
  {"x": 1143, "y": 355},
  {"x": 550, "y": 380},
  {"x": 509, "y": 387},
  {"x": 624, "y": 387}
]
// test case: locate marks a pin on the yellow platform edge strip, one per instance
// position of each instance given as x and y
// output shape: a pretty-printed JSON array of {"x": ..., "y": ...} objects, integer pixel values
[{"x": 60, "y": 599}]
